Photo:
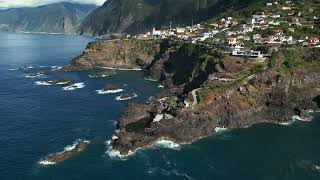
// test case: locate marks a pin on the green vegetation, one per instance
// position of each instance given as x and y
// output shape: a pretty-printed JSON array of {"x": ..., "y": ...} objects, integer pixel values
[{"x": 189, "y": 61}]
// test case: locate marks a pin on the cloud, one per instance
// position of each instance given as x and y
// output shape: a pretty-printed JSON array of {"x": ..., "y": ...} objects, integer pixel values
[{"x": 30, "y": 3}]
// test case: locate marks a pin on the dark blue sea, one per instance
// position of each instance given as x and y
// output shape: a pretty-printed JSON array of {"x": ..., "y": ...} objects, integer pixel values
[{"x": 39, "y": 120}]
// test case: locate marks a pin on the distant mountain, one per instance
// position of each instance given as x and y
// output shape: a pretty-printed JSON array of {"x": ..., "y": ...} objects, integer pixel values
[
  {"x": 131, "y": 16},
  {"x": 61, "y": 17}
]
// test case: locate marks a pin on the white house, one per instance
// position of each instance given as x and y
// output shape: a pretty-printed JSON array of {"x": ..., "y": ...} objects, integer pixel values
[
  {"x": 247, "y": 53},
  {"x": 156, "y": 32},
  {"x": 180, "y": 30},
  {"x": 232, "y": 40}
]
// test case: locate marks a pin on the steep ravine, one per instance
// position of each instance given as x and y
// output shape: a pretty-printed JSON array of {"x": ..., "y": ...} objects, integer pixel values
[{"x": 272, "y": 94}]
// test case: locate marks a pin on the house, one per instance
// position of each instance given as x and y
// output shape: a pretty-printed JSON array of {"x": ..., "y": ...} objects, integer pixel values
[
  {"x": 314, "y": 41},
  {"x": 230, "y": 33},
  {"x": 276, "y": 16},
  {"x": 269, "y": 4},
  {"x": 180, "y": 30},
  {"x": 256, "y": 36},
  {"x": 272, "y": 39},
  {"x": 291, "y": 29},
  {"x": 214, "y": 32},
  {"x": 232, "y": 40},
  {"x": 156, "y": 32},
  {"x": 286, "y": 8},
  {"x": 205, "y": 36},
  {"x": 247, "y": 53},
  {"x": 274, "y": 23},
  {"x": 238, "y": 46},
  {"x": 279, "y": 32}
]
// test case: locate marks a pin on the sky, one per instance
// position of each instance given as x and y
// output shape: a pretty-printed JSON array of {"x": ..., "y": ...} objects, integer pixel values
[{"x": 31, "y": 3}]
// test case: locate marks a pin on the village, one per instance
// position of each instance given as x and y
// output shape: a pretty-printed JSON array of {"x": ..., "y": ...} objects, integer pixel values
[{"x": 280, "y": 24}]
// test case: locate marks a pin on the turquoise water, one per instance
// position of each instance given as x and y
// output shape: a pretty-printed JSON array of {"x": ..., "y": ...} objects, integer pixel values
[{"x": 38, "y": 120}]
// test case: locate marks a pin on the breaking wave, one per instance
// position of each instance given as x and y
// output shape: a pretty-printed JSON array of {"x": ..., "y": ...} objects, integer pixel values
[
  {"x": 294, "y": 120},
  {"x": 55, "y": 68},
  {"x": 167, "y": 144},
  {"x": 36, "y": 75},
  {"x": 74, "y": 87},
  {"x": 124, "y": 97},
  {"x": 42, "y": 83},
  {"x": 101, "y": 91},
  {"x": 221, "y": 130}
]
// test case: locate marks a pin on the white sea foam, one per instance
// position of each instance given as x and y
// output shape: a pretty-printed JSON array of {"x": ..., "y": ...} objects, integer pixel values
[
  {"x": 74, "y": 87},
  {"x": 167, "y": 144},
  {"x": 74, "y": 145},
  {"x": 114, "y": 137},
  {"x": 42, "y": 83},
  {"x": 102, "y": 91},
  {"x": 149, "y": 79},
  {"x": 14, "y": 69},
  {"x": 54, "y": 68},
  {"x": 220, "y": 130},
  {"x": 62, "y": 83},
  {"x": 123, "y": 69},
  {"x": 116, "y": 154},
  {"x": 121, "y": 98},
  {"x": 98, "y": 76},
  {"x": 36, "y": 75},
  {"x": 160, "y": 86},
  {"x": 294, "y": 119},
  {"x": 44, "y": 162}
]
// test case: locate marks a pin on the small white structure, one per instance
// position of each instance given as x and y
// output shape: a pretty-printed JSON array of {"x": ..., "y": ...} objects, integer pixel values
[
  {"x": 232, "y": 41},
  {"x": 156, "y": 32},
  {"x": 180, "y": 30},
  {"x": 247, "y": 53}
]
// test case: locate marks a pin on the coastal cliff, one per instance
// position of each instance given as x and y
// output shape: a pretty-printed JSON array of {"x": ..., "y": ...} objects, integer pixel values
[
  {"x": 206, "y": 90},
  {"x": 126, "y": 54}
]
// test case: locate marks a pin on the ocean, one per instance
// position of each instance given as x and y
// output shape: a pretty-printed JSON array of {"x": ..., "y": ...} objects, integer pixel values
[{"x": 37, "y": 120}]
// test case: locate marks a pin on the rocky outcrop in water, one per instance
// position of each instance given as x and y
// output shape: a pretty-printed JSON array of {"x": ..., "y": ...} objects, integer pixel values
[{"x": 67, "y": 153}]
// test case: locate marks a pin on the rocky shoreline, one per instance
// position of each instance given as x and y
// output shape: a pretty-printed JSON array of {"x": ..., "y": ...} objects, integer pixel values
[{"x": 193, "y": 104}]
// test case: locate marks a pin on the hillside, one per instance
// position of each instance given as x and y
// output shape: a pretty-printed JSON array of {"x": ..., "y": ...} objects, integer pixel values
[
  {"x": 132, "y": 16},
  {"x": 61, "y": 17}
]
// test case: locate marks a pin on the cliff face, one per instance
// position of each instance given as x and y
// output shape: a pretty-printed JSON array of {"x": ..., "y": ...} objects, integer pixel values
[
  {"x": 239, "y": 106},
  {"x": 129, "y": 54},
  {"x": 205, "y": 89},
  {"x": 257, "y": 94}
]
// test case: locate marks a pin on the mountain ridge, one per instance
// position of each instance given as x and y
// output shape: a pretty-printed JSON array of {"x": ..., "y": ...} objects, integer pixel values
[
  {"x": 62, "y": 17},
  {"x": 136, "y": 16}
]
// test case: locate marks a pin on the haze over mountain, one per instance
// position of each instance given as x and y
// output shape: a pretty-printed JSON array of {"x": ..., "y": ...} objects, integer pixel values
[
  {"x": 63, "y": 17},
  {"x": 132, "y": 16}
]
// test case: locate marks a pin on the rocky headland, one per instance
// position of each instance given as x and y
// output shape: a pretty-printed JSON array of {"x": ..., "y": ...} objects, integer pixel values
[
  {"x": 205, "y": 89},
  {"x": 116, "y": 54}
]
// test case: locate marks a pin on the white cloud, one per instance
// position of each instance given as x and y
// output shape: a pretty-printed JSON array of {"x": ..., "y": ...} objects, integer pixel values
[{"x": 28, "y": 3}]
